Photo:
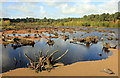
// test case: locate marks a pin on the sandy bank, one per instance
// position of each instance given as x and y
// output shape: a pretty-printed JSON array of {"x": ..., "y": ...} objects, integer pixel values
[{"x": 88, "y": 68}]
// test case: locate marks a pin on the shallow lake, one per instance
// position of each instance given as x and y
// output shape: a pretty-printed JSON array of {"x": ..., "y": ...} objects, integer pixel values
[{"x": 76, "y": 52}]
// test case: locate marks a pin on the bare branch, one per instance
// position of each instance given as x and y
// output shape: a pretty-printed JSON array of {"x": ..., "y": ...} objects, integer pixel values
[
  {"x": 52, "y": 53},
  {"x": 62, "y": 55},
  {"x": 31, "y": 60},
  {"x": 47, "y": 53},
  {"x": 40, "y": 53}
]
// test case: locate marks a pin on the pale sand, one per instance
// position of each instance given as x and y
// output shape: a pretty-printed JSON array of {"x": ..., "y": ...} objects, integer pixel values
[{"x": 86, "y": 68}]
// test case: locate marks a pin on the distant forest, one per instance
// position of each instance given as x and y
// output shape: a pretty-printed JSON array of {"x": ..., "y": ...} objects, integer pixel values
[{"x": 93, "y": 20}]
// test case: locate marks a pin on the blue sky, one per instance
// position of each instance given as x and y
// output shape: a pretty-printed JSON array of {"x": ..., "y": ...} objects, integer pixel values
[{"x": 57, "y": 9}]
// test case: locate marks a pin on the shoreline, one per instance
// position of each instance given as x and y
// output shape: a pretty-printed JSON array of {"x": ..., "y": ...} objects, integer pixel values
[
  {"x": 23, "y": 31},
  {"x": 85, "y": 68}
]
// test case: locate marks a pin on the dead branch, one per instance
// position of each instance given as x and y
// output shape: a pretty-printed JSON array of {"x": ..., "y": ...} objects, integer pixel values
[
  {"x": 52, "y": 53},
  {"x": 30, "y": 59},
  {"x": 62, "y": 55},
  {"x": 44, "y": 62}
]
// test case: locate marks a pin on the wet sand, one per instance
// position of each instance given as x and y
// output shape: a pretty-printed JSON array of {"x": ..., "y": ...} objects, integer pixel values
[{"x": 86, "y": 68}]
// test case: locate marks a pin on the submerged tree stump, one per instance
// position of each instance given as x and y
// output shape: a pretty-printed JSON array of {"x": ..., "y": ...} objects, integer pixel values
[
  {"x": 50, "y": 42},
  {"x": 45, "y": 62}
]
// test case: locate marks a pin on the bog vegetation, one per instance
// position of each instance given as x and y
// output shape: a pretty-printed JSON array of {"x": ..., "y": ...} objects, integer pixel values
[{"x": 94, "y": 20}]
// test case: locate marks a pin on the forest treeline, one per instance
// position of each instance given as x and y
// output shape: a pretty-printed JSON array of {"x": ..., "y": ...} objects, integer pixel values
[{"x": 93, "y": 20}]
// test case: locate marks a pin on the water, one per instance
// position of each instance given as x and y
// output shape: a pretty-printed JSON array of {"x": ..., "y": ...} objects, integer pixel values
[{"x": 76, "y": 52}]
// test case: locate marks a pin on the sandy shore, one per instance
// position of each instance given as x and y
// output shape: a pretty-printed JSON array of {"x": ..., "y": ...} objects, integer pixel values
[{"x": 88, "y": 68}]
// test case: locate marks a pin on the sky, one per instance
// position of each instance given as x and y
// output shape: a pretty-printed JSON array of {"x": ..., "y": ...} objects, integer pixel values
[{"x": 55, "y": 8}]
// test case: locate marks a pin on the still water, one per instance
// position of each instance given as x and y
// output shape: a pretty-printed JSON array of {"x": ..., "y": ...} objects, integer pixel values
[{"x": 76, "y": 52}]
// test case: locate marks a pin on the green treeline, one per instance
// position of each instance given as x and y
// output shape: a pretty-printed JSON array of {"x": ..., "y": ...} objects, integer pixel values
[{"x": 94, "y": 20}]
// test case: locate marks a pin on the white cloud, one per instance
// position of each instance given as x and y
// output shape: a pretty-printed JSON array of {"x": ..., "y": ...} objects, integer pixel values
[
  {"x": 109, "y": 7},
  {"x": 84, "y": 7},
  {"x": 19, "y": 7},
  {"x": 25, "y": 10},
  {"x": 79, "y": 8},
  {"x": 63, "y": 8},
  {"x": 42, "y": 10}
]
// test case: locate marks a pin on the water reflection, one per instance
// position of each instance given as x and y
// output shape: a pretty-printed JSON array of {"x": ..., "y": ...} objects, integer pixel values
[{"x": 13, "y": 57}]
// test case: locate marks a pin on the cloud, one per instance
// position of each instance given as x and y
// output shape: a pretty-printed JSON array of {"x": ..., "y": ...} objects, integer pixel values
[
  {"x": 21, "y": 7},
  {"x": 109, "y": 7},
  {"x": 24, "y": 10},
  {"x": 60, "y": 9},
  {"x": 79, "y": 8},
  {"x": 85, "y": 7}
]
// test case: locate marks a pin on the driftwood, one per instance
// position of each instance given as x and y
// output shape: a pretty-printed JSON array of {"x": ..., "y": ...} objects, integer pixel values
[
  {"x": 100, "y": 54},
  {"x": 116, "y": 39},
  {"x": 109, "y": 71},
  {"x": 87, "y": 41},
  {"x": 16, "y": 42},
  {"x": 93, "y": 39},
  {"x": 50, "y": 42},
  {"x": 114, "y": 47},
  {"x": 44, "y": 62},
  {"x": 106, "y": 47},
  {"x": 61, "y": 55},
  {"x": 16, "y": 61},
  {"x": 109, "y": 38},
  {"x": 65, "y": 37}
]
